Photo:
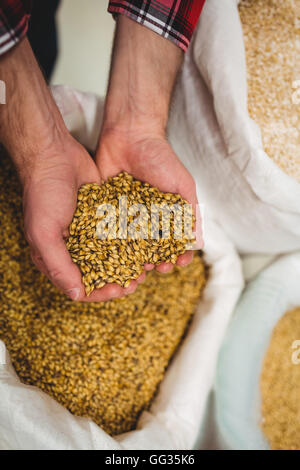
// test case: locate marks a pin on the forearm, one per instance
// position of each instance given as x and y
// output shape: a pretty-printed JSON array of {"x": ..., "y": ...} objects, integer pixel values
[
  {"x": 143, "y": 72},
  {"x": 30, "y": 122}
]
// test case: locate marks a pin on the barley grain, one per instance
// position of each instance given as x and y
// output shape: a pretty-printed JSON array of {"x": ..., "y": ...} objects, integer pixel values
[
  {"x": 272, "y": 41},
  {"x": 83, "y": 231},
  {"x": 100, "y": 360},
  {"x": 280, "y": 385}
]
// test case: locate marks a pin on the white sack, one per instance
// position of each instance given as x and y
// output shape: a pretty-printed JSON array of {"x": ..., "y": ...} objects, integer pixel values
[
  {"x": 262, "y": 304},
  {"x": 30, "y": 419},
  {"x": 255, "y": 202}
]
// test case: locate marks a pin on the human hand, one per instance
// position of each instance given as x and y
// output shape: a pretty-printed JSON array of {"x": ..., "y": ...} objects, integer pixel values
[
  {"x": 51, "y": 166},
  {"x": 148, "y": 157},
  {"x": 49, "y": 201},
  {"x": 133, "y": 137}
]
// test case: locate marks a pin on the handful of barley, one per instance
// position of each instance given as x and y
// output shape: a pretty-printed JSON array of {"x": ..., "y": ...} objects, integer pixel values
[{"x": 123, "y": 224}]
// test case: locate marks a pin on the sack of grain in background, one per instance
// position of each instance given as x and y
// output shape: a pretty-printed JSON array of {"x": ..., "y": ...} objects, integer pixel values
[
  {"x": 280, "y": 384},
  {"x": 258, "y": 373},
  {"x": 271, "y": 32}
]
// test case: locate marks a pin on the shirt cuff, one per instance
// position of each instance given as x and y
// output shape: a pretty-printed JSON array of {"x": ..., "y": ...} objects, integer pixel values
[
  {"x": 175, "y": 21},
  {"x": 13, "y": 25}
]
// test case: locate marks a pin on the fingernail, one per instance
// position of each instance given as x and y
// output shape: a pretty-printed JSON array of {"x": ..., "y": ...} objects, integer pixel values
[{"x": 73, "y": 293}]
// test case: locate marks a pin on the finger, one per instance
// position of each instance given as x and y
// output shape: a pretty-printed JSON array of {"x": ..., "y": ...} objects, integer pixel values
[
  {"x": 164, "y": 268},
  {"x": 131, "y": 288},
  {"x": 185, "y": 259},
  {"x": 57, "y": 263},
  {"x": 141, "y": 278},
  {"x": 149, "y": 266},
  {"x": 108, "y": 292}
]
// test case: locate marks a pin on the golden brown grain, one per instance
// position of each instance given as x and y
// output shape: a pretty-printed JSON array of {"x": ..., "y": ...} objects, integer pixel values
[
  {"x": 272, "y": 41},
  {"x": 280, "y": 385},
  {"x": 120, "y": 257},
  {"x": 99, "y": 360}
]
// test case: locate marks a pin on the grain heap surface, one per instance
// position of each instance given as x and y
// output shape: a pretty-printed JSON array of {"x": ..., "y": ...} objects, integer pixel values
[
  {"x": 272, "y": 41},
  {"x": 280, "y": 385},
  {"x": 121, "y": 255},
  {"x": 99, "y": 360}
]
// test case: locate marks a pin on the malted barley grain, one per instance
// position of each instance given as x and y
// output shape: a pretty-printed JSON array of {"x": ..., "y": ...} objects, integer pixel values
[
  {"x": 120, "y": 257},
  {"x": 100, "y": 360},
  {"x": 272, "y": 41},
  {"x": 280, "y": 385}
]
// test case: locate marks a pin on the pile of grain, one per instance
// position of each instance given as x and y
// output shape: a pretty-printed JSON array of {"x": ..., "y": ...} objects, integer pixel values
[
  {"x": 100, "y": 360},
  {"x": 119, "y": 256},
  {"x": 280, "y": 385},
  {"x": 272, "y": 41}
]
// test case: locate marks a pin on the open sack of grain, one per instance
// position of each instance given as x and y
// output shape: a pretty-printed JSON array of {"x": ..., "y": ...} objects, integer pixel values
[
  {"x": 258, "y": 374},
  {"x": 244, "y": 155},
  {"x": 30, "y": 417}
]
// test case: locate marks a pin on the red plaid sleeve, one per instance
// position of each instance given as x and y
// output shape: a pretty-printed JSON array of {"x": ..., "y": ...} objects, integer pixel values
[
  {"x": 172, "y": 19},
  {"x": 14, "y": 15}
]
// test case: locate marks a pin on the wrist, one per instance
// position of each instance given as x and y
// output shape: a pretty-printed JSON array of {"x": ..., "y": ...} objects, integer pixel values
[
  {"x": 128, "y": 124},
  {"x": 33, "y": 158},
  {"x": 30, "y": 123},
  {"x": 37, "y": 145},
  {"x": 143, "y": 71}
]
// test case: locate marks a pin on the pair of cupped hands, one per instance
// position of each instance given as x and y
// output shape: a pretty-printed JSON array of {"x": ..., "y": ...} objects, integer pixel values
[{"x": 50, "y": 197}]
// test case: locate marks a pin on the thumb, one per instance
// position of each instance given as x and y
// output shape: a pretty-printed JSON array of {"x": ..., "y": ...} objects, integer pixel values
[{"x": 57, "y": 263}]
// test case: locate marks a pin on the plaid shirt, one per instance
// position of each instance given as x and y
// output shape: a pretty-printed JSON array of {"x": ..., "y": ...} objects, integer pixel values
[
  {"x": 172, "y": 19},
  {"x": 14, "y": 15}
]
